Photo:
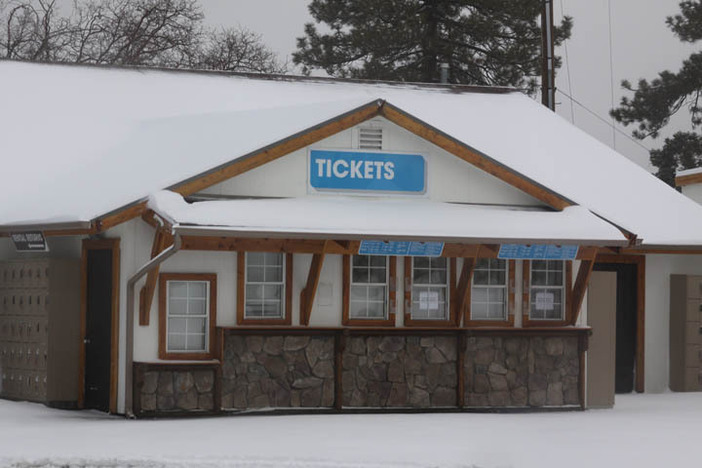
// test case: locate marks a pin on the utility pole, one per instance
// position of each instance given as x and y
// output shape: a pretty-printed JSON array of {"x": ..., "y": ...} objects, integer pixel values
[{"x": 548, "y": 72}]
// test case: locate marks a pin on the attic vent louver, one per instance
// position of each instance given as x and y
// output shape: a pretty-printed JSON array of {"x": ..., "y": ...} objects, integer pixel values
[{"x": 370, "y": 138}]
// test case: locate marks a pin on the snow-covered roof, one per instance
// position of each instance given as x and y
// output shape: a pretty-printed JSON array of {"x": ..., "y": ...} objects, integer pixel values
[
  {"x": 78, "y": 142},
  {"x": 411, "y": 219}
]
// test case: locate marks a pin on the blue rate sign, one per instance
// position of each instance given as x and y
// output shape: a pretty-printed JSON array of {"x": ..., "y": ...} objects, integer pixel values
[
  {"x": 401, "y": 248},
  {"x": 538, "y": 252},
  {"x": 364, "y": 171}
]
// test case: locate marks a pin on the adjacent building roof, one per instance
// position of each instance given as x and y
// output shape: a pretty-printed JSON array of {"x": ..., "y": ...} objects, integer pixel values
[{"x": 78, "y": 142}]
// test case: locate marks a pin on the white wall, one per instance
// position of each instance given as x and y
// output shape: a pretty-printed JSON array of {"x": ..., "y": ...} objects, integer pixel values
[
  {"x": 448, "y": 178},
  {"x": 658, "y": 271},
  {"x": 693, "y": 191}
]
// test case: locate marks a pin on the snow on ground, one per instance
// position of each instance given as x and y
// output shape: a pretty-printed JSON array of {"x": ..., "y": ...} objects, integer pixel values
[{"x": 642, "y": 431}]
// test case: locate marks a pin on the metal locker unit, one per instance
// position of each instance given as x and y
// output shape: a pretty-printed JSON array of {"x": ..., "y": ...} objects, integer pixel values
[
  {"x": 40, "y": 330},
  {"x": 685, "y": 332}
]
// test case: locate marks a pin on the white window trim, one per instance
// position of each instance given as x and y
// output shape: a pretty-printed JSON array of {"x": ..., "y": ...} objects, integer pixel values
[
  {"x": 562, "y": 288},
  {"x": 447, "y": 295},
  {"x": 506, "y": 296},
  {"x": 206, "y": 315},
  {"x": 283, "y": 312},
  {"x": 386, "y": 300}
]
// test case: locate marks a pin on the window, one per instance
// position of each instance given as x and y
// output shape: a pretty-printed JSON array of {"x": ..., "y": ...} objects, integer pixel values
[
  {"x": 489, "y": 293},
  {"x": 369, "y": 287},
  {"x": 547, "y": 287},
  {"x": 430, "y": 281},
  {"x": 265, "y": 286},
  {"x": 187, "y": 315},
  {"x": 264, "y": 295}
]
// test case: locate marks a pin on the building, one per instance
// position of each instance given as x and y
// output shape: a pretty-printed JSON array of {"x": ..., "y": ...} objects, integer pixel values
[{"x": 178, "y": 241}]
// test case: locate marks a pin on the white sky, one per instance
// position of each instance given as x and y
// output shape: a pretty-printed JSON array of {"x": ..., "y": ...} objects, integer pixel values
[{"x": 641, "y": 47}]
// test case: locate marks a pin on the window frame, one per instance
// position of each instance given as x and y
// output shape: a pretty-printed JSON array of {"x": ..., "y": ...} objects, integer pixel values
[
  {"x": 450, "y": 320},
  {"x": 527, "y": 321},
  {"x": 241, "y": 318},
  {"x": 391, "y": 303},
  {"x": 210, "y": 353},
  {"x": 510, "y": 297}
]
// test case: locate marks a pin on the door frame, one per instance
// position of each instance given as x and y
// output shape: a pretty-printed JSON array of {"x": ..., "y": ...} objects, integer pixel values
[
  {"x": 640, "y": 262},
  {"x": 100, "y": 244}
]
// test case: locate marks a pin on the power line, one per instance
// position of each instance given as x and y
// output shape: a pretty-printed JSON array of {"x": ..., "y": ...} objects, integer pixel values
[
  {"x": 567, "y": 61},
  {"x": 611, "y": 70},
  {"x": 602, "y": 119}
]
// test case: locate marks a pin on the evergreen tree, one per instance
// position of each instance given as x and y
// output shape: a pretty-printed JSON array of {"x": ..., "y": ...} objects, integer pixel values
[
  {"x": 485, "y": 42},
  {"x": 655, "y": 102}
]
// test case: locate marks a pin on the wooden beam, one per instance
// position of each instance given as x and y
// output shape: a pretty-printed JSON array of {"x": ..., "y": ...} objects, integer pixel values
[
  {"x": 581, "y": 282},
  {"x": 464, "y": 284},
  {"x": 162, "y": 240},
  {"x": 309, "y": 292},
  {"x": 231, "y": 244},
  {"x": 120, "y": 216},
  {"x": 473, "y": 157},
  {"x": 681, "y": 181},
  {"x": 299, "y": 141}
]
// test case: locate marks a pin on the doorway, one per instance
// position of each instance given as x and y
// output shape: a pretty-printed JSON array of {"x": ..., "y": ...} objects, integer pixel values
[
  {"x": 99, "y": 326},
  {"x": 630, "y": 271}
]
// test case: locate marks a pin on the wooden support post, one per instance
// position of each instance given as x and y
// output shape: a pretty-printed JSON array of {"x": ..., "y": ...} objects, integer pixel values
[
  {"x": 309, "y": 292},
  {"x": 162, "y": 240},
  {"x": 581, "y": 283},
  {"x": 463, "y": 289},
  {"x": 460, "y": 368},
  {"x": 339, "y": 347}
]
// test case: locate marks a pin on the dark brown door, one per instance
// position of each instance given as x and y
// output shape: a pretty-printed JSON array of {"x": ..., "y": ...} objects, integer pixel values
[
  {"x": 626, "y": 323},
  {"x": 98, "y": 329}
]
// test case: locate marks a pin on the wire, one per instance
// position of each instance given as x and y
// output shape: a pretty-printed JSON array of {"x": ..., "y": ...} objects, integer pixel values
[
  {"x": 605, "y": 121},
  {"x": 567, "y": 62},
  {"x": 611, "y": 70}
]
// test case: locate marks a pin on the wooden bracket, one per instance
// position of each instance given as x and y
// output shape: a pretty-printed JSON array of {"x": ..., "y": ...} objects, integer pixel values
[
  {"x": 463, "y": 289},
  {"x": 162, "y": 240},
  {"x": 581, "y": 282},
  {"x": 309, "y": 292}
]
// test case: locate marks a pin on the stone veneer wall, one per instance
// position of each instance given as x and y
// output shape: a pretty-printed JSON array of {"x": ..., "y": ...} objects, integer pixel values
[
  {"x": 522, "y": 371},
  {"x": 261, "y": 371},
  {"x": 394, "y": 370},
  {"x": 399, "y": 371},
  {"x": 164, "y": 389}
]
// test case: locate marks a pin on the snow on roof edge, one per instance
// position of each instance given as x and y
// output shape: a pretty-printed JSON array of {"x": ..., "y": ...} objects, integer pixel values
[{"x": 457, "y": 88}]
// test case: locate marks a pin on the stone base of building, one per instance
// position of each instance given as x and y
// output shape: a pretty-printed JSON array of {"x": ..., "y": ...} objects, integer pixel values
[{"x": 294, "y": 369}]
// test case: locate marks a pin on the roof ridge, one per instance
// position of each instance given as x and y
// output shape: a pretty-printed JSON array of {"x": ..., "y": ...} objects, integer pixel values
[{"x": 457, "y": 88}]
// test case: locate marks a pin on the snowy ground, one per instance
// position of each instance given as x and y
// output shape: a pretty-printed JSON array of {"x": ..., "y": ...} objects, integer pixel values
[{"x": 642, "y": 431}]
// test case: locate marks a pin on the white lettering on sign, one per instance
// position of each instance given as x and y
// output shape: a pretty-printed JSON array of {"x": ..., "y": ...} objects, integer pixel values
[
  {"x": 365, "y": 170},
  {"x": 429, "y": 300},
  {"x": 544, "y": 301}
]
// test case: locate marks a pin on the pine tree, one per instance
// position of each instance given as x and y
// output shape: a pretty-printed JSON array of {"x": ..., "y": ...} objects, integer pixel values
[
  {"x": 655, "y": 102},
  {"x": 485, "y": 42}
]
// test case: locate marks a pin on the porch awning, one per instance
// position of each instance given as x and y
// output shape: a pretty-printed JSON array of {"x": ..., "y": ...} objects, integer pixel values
[{"x": 354, "y": 218}]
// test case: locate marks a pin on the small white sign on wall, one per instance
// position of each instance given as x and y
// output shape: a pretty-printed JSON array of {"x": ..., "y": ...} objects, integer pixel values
[
  {"x": 544, "y": 301},
  {"x": 429, "y": 300}
]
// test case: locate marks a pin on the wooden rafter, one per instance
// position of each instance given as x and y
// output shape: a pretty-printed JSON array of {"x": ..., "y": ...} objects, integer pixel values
[
  {"x": 581, "y": 282},
  {"x": 473, "y": 157},
  {"x": 309, "y": 292}
]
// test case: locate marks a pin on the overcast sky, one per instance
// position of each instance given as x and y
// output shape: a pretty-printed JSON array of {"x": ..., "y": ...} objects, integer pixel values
[{"x": 641, "y": 47}]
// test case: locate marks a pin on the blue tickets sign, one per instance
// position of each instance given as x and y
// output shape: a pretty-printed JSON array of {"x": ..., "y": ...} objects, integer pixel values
[
  {"x": 538, "y": 252},
  {"x": 366, "y": 171},
  {"x": 401, "y": 248}
]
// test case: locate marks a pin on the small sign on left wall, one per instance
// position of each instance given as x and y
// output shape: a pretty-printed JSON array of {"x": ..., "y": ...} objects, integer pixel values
[{"x": 33, "y": 241}]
